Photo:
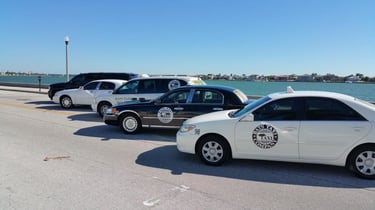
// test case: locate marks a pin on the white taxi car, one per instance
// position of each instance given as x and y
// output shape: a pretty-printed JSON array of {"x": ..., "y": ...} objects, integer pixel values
[
  {"x": 297, "y": 126},
  {"x": 86, "y": 94}
]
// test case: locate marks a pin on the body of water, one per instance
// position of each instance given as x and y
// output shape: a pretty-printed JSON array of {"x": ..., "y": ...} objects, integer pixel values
[{"x": 363, "y": 91}]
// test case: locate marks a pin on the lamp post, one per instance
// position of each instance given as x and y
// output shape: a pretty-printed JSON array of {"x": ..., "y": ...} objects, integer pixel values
[{"x": 66, "y": 56}]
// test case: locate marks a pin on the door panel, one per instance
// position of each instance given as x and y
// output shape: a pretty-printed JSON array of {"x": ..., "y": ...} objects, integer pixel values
[
  {"x": 329, "y": 139},
  {"x": 273, "y": 139}
]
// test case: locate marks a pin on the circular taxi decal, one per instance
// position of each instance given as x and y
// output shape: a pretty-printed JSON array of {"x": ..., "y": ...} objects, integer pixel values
[
  {"x": 173, "y": 84},
  {"x": 165, "y": 115},
  {"x": 265, "y": 136}
]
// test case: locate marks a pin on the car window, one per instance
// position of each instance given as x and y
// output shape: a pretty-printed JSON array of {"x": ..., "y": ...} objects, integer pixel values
[
  {"x": 329, "y": 109},
  {"x": 176, "y": 97},
  {"x": 283, "y": 109},
  {"x": 107, "y": 86},
  {"x": 165, "y": 85},
  {"x": 147, "y": 86},
  {"x": 130, "y": 87},
  {"x": 208, "y": 96},
  {"x": 91, "y": 86},
  {"x": 79, "y": 79}
]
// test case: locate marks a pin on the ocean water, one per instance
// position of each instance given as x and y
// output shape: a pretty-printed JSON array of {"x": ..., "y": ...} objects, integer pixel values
[{"x": 363, "y": 91}]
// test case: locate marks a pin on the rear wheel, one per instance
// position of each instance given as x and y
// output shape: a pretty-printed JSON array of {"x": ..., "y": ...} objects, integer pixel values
[
  {"x": 130, "y": 123},
  {"x": 213, "y": 150},
  {"x": 362, "y": 161},
  {"x": 66, "y": 102},
  {"x": 102, "y": 108}
]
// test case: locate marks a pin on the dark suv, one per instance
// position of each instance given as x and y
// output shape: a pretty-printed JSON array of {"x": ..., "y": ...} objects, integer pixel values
[{"x": 82, "y": 79}]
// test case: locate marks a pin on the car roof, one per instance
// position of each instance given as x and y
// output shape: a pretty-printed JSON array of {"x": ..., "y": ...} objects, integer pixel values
[
  {"x": 186, "y": 78},
  {"x": 217, "y": 87},
  {"x": 302, "y": 93},
  {"x": 110, "y": 80},
  {"x": 96, "y": 73}
]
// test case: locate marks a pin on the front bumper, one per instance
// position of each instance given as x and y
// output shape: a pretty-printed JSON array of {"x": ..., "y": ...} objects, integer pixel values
[
  {"x": 110, "y": 119},
  {"x": 56, "y": 99},
  {"x": 186, "y": 142}
]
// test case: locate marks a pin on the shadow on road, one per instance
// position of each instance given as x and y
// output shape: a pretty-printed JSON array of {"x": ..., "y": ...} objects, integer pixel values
[
  {"x": 106, "y": 133},
  {"x": 52, "y": 106},
  {"x": 88, "y": 117},
  {"x": 40, "y": 102},
  {"x": 168, "y": 157}
]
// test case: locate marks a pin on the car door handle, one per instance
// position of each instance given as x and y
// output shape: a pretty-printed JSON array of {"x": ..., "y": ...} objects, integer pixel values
[
  {"x": 358, "y": 129},
  {"x": 290, "y": 129},
  {"x": 217, "y": 109},
  {"x": 178, "y": 108}
]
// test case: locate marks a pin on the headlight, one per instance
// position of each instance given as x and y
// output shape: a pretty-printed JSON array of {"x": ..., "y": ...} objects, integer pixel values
[
  {"x": 110, "y": 111},
  {"x": 186, "y": 128}
]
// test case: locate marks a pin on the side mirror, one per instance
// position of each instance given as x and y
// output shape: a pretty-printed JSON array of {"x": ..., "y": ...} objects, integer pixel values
[
  {"x": 157, "y": 101},
  {"x": 248, "y": 118},
  {"x": 80, "y": 87}
]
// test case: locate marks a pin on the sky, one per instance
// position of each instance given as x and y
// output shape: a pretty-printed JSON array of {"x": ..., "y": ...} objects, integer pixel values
[{"x": 266, "y": 37}]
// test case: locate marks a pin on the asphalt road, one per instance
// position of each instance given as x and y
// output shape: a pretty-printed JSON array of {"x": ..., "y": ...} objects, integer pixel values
[{"x": 52, "y": 158}]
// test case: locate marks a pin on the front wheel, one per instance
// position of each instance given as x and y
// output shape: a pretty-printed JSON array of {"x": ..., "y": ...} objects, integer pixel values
[
  {"x": 213, "y": 150},
  {"x": 66, "y": 102},
  {"x": 130, "y": 123},
  {"x": 362, "y": 162}
]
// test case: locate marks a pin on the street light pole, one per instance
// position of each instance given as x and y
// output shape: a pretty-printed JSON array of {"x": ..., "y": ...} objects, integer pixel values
[{"x": 66, "y": 56}]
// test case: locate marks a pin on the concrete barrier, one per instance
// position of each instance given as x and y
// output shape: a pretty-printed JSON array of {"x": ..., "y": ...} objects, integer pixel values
[{"x": 27, "y": 85}]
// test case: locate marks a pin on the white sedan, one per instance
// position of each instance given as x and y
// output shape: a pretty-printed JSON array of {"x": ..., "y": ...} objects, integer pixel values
[
  {"x": 86, "y": 94},
  {"x": 297, "y": 126}
]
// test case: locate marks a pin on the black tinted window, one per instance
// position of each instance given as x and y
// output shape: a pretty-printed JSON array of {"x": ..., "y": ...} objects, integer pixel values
[
  {"x": 129, "y": 88},
  {"x": 208, "y": 96},
  {"x": 176, "y": 97},
  {"x": 147, "y": 86},
  {"x": 329, "y": 109},
  {"x": 91, "y": 86},
  {"x": 80, "y": 79},
  {"x": 165, "y": 85},
  {"x": 283, "y": 109},
  {"x": 107, "y": 86}
]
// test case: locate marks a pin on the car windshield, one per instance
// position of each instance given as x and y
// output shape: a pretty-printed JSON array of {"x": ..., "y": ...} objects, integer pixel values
[{"x": 249, "y": 107}]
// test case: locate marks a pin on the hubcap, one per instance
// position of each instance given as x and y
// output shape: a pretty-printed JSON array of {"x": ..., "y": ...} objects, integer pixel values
[
  {"x": 365, "y": 162},
  {"x": 130, "y": 124},
  {"x": 66, "y": 102},
  {"x": 212, "y": 151}
]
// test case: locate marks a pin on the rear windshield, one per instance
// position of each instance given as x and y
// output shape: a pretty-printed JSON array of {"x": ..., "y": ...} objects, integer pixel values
[
  {"x": 196, "y": 82},
  {"x": 240, "y": 95}
]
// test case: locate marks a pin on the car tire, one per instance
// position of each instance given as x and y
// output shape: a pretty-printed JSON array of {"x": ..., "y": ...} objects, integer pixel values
[
  {"x": 362, "y": 161},
  {"x": 130, "y": 123},
  {"x": 213, "y": 150},
  {"x": 102, "y": 107},
  {"x": 66, "y": 102}
]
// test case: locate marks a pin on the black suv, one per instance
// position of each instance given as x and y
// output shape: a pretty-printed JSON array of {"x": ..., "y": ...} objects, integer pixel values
[{"x": 82, "y": 79}]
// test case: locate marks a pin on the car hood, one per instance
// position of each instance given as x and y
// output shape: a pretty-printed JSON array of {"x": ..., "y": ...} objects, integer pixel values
[
  {"x": 213, "y": 116},
  {"x": 67, "y": 91},
  {"x": 58, "y": 85}
]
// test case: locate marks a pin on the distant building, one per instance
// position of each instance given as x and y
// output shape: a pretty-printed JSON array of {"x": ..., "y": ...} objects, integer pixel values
[
  {"x": 305, "y": 78},
  {"x": 353, "y": 78}
]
